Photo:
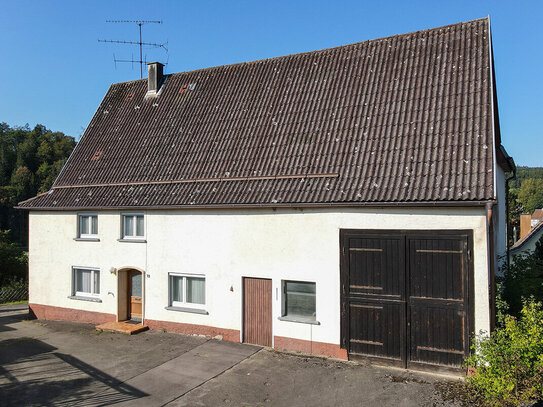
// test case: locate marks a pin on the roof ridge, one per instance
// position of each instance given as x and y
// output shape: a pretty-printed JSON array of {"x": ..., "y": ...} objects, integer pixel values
[{"x": 262, "y": 60}]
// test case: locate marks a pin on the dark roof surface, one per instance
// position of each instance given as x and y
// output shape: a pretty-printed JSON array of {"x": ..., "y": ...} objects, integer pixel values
[{"x": 400, "y": 119}]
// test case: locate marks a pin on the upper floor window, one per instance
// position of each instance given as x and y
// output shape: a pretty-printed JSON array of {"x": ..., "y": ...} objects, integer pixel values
[
  {"x": 88, "y": 225},
  {"x": 133, "y": 226}
]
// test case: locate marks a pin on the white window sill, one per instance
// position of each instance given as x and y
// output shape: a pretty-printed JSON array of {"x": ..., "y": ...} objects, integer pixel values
[
  {"x": 132, "y": 240},
  {"x": 81, "y": 298},
  {"x": 86, "y": 239},
  {"x": 186, "y": 309},
  {"x": 299, "y": 320}
]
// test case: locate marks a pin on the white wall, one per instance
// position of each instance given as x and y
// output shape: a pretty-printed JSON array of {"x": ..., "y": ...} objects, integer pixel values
[{"x": 227, "y": 245}]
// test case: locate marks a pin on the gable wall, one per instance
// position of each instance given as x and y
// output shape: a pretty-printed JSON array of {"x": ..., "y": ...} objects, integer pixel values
[{"x": 227, "y": 245}]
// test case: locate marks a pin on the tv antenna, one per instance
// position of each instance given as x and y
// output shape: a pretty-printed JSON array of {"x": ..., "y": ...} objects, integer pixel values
[{"x": 140, "y": 42}]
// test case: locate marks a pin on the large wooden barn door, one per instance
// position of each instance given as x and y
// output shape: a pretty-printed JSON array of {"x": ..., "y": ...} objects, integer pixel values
[
  {"x": 405, "y": 297},
  {"x": 438, "y": 287},
  {"x": 374, "y": 297},
  {"x": 257, "y": 311}
]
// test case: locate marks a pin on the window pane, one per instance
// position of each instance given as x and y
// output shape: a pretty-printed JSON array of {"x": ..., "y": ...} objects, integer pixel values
[
  {"x": 300, "y": 299},
  {"x": 177, "y": 288},
  {"x": 129, "y": 226},
  {"x": 83, "y": 281},
  {"x": 139, "y": 226},
  {"x": 84, "y": 225},
  {"x": 196, "y": 290},
  {"x": 96, "y": 282},
  {"x": 135, "y": 283},
  {"x": 94, "y": 220}
]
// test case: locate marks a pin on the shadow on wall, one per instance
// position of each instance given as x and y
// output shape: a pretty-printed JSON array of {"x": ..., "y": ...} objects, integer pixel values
[{"x": 31, "y": 373}]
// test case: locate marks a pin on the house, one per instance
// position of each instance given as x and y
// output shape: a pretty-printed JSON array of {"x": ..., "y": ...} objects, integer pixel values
[
  {"x": 347, "y": 202},
  {"x": 531, "y": 231}
]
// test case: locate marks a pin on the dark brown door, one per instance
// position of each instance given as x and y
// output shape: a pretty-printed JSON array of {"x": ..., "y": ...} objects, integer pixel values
[
  {"x": 438, "y": 328},
  {"x": 134, "y": 295},
  {"x": 257, "y": 311},
  {"x": 404, "y": 296},
  {"x": 374, "y": 296}
]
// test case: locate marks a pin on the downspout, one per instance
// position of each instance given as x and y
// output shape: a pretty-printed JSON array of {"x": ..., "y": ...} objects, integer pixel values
[
  {"x": 507, "y": 220},
  {"x": 491, "y": 262}
]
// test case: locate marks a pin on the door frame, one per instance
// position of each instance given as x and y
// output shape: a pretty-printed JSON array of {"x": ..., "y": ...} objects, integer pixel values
[
  {"x": 122, "y": 293},
  {"x": 345, "y": 234}
]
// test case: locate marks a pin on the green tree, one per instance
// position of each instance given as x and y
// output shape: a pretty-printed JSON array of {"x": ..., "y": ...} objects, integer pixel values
[
  {"x": 13, "y": 260},
  {"x": 30, "y": 161},
  {"x": 530, "y": 194}
]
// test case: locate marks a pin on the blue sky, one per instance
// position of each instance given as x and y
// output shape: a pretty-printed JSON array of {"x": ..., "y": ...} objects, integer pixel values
[{"x": 55, "y": 72}]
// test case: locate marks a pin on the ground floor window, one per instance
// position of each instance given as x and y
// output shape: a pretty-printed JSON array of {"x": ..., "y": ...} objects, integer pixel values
[
  {"x": 187, "y": 290},
  {"x": 299, "y": 300},
  {"x": 86, "y": 281}
]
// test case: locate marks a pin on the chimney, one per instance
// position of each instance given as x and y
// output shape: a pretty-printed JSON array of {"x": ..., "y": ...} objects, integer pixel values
[
  {"x": 156, "y": 76},
  {"x": 525, "y": 224}
]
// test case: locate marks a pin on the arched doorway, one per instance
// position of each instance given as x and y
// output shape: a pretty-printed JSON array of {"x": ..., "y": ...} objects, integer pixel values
[{"x": 130, "y": 293}]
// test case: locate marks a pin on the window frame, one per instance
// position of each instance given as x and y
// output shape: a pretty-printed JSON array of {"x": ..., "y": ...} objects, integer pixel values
[
  {"x": 297, "y": 318},
  {"x": 81, "y": 235},
  {"x": 184, "y": 303},
  {"x": 134, "y": 216},
  {"x": 92, "y": 294}
]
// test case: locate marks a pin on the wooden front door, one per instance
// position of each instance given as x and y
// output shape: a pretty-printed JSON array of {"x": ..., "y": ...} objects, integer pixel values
[
  {"x": 135, "y": 295},
  {"x": 257, "y": 311},
  {"x": 405, "y": 296}
]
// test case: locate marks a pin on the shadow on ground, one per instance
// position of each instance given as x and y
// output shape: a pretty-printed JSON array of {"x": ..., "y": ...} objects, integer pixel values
[{"x": 33, "y": 374}]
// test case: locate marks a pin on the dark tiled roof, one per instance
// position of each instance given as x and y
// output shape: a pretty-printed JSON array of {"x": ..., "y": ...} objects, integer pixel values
[{"x": 401, "y": 119}]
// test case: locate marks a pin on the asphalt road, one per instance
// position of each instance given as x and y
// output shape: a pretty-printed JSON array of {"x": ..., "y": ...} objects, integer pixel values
[{"x": 53, "y": 363}]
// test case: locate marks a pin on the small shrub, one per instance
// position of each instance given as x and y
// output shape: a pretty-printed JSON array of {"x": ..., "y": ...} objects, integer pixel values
[{"x": 509, "y": 362}]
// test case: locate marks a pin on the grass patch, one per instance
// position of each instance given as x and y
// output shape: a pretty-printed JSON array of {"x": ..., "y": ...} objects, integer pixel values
[{"x": 15, "y": 302}]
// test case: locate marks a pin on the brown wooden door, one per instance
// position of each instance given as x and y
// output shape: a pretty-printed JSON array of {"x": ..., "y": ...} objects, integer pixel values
[
  {"x": 134, "y": 295},
  {"x": 257, "y": 311},
  {"x": 405, "y": 296},
  {"x": 374, "y": 297},
  {"x": 438, "y": 294}
]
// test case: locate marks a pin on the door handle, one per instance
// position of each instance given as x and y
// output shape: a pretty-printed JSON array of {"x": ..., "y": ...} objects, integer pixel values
[{"x": 137, "y": 299}]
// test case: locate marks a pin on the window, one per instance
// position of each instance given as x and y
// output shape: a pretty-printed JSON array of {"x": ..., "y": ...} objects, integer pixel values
[
  {"x": 88, "y": 226},
  {"x": 86, "y": 281},
  {"x": 187, "y": 290},
  {"x": 299, "y": 300},
  {"x": 133, "y": 226}
]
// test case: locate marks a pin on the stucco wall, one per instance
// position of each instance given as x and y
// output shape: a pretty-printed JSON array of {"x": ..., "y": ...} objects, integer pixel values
[{"x": 227, "y": 245}]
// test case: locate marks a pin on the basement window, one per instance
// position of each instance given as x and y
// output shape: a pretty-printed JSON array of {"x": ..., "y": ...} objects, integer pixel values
[
  {"x": 133, "y": 226},
  {"x": 87, "y": 226},
  {"x": 86, "y": 281},
  {"x": 299, "y": 301},
  {"x": 187, "y": 290}
]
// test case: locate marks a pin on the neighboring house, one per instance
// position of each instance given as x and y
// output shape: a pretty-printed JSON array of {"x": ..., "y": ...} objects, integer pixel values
[
  {"x": 347, "y": 202},
  {"x": 531, "y": 231}
]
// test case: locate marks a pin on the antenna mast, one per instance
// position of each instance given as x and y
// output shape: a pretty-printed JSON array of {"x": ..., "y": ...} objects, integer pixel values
[{"x": 140, "y": 42}]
